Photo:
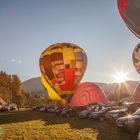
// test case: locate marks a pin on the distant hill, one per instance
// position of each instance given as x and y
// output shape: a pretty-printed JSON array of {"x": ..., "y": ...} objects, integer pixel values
[
  {"x": 126, "y": 89},
  {"x": 34, "y": 86}
]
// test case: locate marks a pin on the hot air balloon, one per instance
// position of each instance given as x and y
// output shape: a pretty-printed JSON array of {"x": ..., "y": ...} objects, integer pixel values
[
  {"x": 136, "y": 94},
  {"x": 130, "y": 13},
  {"x": 87, "y": 93},
  {"x": 136, "y": 58},
  {"x": 62, "y": 66}
]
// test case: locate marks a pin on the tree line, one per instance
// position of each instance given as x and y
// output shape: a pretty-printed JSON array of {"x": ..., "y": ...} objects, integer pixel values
[{"x": 11, "y": 91}]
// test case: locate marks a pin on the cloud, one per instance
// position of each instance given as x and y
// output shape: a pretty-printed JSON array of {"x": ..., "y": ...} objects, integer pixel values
[
  {"x": 13, "y": 60},
  {"x": 16, "y": 61},
  {"x": 19, "y": 62}
]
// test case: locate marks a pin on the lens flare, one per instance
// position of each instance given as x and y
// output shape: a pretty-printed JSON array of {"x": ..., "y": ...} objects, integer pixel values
[{"x": 120, "y": 76}]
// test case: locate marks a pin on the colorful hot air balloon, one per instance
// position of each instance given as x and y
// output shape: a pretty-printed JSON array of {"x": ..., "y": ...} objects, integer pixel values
[
  {"x": 87, "y": 93},
  {"x": 63, "y": 65},
  {"x": 136, "y": 94},
  {"x": 136, "y": 58},
  {"x": 130, "y": 13}
]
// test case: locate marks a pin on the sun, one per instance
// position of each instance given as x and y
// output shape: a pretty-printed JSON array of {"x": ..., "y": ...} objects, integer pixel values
[{"x": 120, "y": 76}]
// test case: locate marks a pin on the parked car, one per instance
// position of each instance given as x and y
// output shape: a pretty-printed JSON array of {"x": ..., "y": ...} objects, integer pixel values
[
  {"x": 37, "y": 108},
  {"x": 96, "y": 109},
  {"x": 130, "y": 122},
  {"x": 58, "y": 109},
  {"x": 64, "y": 110},
  {"x": 73, "y": 111},
  {"x": 13, "y": 106},
  {"x": 100, "y": 115},
  {"x": 5, "y": 109},
  {"x": 51, "y": 109},
  {"x": 84, "y": 114},
  {"x": 43, "y": 109},
  {"x": 115, "y": 114},
  {"x": 132, "y": 107}
]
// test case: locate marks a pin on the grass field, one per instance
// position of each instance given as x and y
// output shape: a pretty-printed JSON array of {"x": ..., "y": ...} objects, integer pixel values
[{"x": 30, "y": 125}]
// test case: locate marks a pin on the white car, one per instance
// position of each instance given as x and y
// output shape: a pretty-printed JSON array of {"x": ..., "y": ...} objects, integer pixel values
[
  {"x": 42, "y": 109},
  {"x": 96, "y": 109}
]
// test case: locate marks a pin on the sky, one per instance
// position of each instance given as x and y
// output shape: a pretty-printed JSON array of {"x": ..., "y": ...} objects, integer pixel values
[{"x": 27, "y": 27}]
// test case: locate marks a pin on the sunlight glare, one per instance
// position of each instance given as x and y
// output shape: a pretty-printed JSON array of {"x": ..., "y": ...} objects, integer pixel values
[{"x": 120, "y": 77}]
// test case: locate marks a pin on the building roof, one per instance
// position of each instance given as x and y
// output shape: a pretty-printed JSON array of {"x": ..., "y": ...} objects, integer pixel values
[{"x": 2, "y": 102}]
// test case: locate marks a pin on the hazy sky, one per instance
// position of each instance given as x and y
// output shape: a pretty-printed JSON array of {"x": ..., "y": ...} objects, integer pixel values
[{"x": 27, "y": 27}]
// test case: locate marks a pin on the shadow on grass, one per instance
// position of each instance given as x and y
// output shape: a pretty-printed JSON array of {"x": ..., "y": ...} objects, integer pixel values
[
  {"x": 18, "y": 116},
  {"x": 104, "y": 130}
]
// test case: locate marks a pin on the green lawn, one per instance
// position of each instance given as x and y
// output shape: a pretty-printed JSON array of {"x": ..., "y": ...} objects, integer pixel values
[{"x": 30, "y": 125}]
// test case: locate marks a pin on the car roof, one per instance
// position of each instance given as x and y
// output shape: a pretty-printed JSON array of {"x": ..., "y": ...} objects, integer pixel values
[{"x": 117, "y": 110}]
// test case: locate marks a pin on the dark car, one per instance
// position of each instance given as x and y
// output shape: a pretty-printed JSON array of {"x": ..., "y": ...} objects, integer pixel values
[
  {"x": 85, "y": 113},
  {"x": 58, "y": 111},
  {"x": 132, "y": 107},
  {"x": 12, "y": 108},
  {"x": 73, "y": 111},
  {"x": 37, "y": 108},
  {"x": 64, "y": 110},
  {"x": 130, "y": 122},
  {"x": 100, "y": 115},
  {"x": 4, "y": 109},
  {"x": 115, "y": 114},
  {"x": 51, "y": 109}
]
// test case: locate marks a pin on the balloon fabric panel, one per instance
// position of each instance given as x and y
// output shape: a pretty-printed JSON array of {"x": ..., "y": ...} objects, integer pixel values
[
  {"x": 47, "y": 66},
  {"x": 69, "y": 69}
]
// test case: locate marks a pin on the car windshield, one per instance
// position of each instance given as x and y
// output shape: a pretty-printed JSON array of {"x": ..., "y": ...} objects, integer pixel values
[{"x": 137, "y": 112}]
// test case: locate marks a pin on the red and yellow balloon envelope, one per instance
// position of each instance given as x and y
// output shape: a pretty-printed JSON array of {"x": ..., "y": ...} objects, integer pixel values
[
  {"x": 62, "y": 66},
  {"x": 130, "y": 13},
  {"x": 136, "y": 94},
  {"x": 136, "y": 58},
  {"x": 87, "y": 93}
]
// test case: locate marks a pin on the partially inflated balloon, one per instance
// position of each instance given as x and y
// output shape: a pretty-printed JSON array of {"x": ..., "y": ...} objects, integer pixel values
[
  {"x": 136, "y": 94},
  {"x": 130, "y": 12},
  {"x": 87, "y": 93},
  {"x": 62, "y": 66},
  {"x": 136, "y": 58},
  {"x": 52, "y": 94}
]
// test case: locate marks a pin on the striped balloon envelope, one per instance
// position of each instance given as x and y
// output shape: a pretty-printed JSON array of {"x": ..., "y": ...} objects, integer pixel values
[
  {"x": 136, "y": 58},
  {"x": 63, "y": 65},
  {"x": 87, "y": 93},
  {"x": 130, "y": 13}
]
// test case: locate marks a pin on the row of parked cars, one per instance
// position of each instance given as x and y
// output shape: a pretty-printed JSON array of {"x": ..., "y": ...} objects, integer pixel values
[{"x": 126, "y": 116}]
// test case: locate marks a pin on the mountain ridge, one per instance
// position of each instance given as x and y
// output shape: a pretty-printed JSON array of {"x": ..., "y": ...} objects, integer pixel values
[{"x": 34, "y": 86}]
